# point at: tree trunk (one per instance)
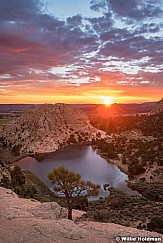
(70, 213)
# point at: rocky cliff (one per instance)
(47, 128)
(158, 107)
(26, 220)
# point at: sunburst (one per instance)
(108, 100)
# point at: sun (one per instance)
(108, 100)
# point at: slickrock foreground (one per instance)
(48, 127)
(29, 221)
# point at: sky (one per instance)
(81, 51)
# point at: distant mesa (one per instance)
(48, 127)
(158, 107)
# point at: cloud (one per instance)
(41, 42)
(102, 24)
(132, 9)
(75, 20)
(18, 10)
(98, 52)
(97, 5)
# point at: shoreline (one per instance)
(112, 161)
(41, 155)
(123, 168)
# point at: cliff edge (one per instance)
(158, 107)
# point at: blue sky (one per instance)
(65, 8)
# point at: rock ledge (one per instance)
(27, 220)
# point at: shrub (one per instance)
(156, 224)
(136, 169)
(16, 150)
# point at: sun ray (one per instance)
(107, 100)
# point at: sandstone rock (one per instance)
(25, 220)
(158, 107)
(48, 127)
(50, 210)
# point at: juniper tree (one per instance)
(72, 187)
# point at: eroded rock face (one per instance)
(47, 128)
(26, 220)
(158, 107)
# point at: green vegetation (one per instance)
(127, 210)
(108, 149)
(148, 124)
(136, 169)
(137, 142)
(16, 149)
(70, 185)
(156, 224)
(151, 190)
(142, 152)
(27, 185)
(138, 152)
(71, 139)
(18, 184)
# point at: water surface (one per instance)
(83, 160)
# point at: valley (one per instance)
(133, 142)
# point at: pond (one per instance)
(83, 160)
